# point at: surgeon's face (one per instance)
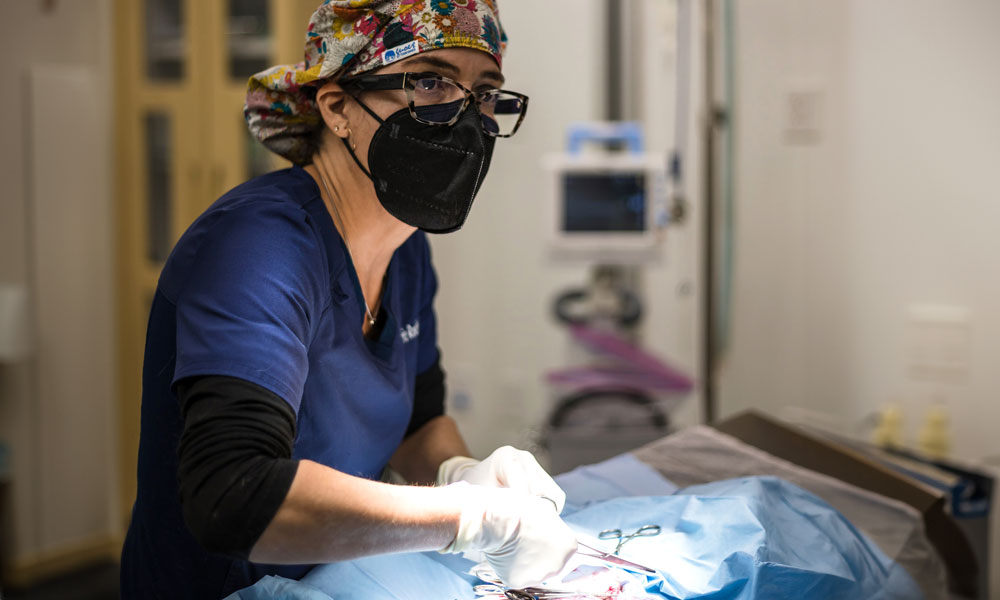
(473, 69)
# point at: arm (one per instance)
(242, 495)
(366, 517)
(330, 516)
(417, 459)
(435, 453)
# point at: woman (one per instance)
(291, 355)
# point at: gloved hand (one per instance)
(506, 467)
(521, 535)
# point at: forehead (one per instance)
(465, 62)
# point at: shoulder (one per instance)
(293, 185)
(268, 201)
(262, 223)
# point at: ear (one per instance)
(331, 99)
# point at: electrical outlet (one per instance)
(939, 341)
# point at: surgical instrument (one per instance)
(616, 534)
(494, 588)
(611, 558)
(491, 590)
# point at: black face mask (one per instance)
(428, 175)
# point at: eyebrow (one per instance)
(493, 75)
(433, 61)
(436, 62)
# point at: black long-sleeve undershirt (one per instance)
(235, 462)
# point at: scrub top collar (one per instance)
(344, 283)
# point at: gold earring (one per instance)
(336, 128)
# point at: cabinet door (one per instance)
(157, 137)
(257, 34)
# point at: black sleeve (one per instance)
(428, 397)
(235, 466)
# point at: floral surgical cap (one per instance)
(348, 37)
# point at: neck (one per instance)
(371, 234)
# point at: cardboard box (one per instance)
(837, 460)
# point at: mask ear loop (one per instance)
(351, 146)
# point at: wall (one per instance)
(891, 207)
(55, 237)
(496, 281)
(790, 221)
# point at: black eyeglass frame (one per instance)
(404, 81)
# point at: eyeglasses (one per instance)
(437, 100)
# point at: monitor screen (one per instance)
(604, 202)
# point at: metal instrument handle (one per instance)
(612, 559)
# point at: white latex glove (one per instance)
(521, 535)
(506, 467)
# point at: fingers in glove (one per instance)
(542, 547)
(518, 469)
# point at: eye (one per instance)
(487, 96)
(431, 90)
(427, 85)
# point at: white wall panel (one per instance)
(55, 212)
(73, 264)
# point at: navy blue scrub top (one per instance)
(261, 288)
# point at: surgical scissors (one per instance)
(616, 534)
(492, 590)
(611, 558)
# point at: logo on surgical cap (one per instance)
(400, 52)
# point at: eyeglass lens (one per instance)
(438, 101)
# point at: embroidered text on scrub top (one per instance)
(410, 332)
